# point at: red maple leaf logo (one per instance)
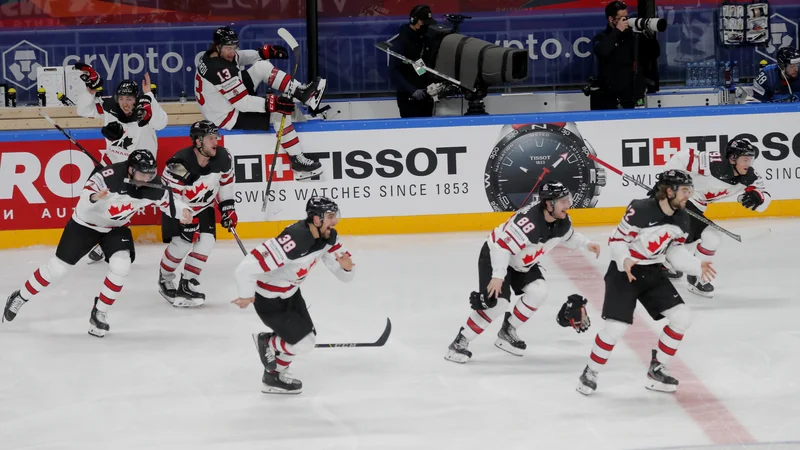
(529, 259)
(303, 272)
(713, 195)
(654, 246)
(115, 210)
(192, 193)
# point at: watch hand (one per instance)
(561, 157)
(523, 169)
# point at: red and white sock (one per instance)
(479, 320)
(173, 255)
(43, 277)
(289, 140)
(194, 265)
(112, 286)
(521, 313)
(668, 344)
(601, 351)
(283, 352)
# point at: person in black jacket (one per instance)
(412, 96)
(615, 53)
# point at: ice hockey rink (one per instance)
(190, 379)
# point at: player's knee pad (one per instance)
(306, 344)
(120, 263)
(534, 294)
(680, 317)
(614, 330)
(260, 72)
(204, 244)
(57, 268)
(179, 248)
(710, 241)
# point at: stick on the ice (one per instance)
(292, 42)
(383, 46)
(379, 343)
(53, 122)
(633, 180)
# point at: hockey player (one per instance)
(718, 177)
(509, 259)
(102, 215)
(270, 277)
(652, 231)
(202, 174)
(226, 94)
(779, 82)
(130, 120)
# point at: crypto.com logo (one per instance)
(784, 34)
(20, 63)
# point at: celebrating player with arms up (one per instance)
(718, 177)
(202, 175)
(226, 93)
(270, 277)
(652, 231)
(509, 260)
(102, 216)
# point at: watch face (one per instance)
(523, 155)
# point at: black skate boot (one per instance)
(96, 255)
(13, 304)
(265, 352)
(98, 321)
(671, 273)
(587, 383)
(457, 351)
(658, 379)
(508, 340)
(280, 383)
(167, 288)
(186, 296)
(305, 168)
(310, 94)
(699, 287)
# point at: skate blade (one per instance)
(506, 346)
(97, 332)
(456, 357)
(93, 261)
(186, 303)
(584, 389)
(305, 176)
(314, 101)
(691, 288)
(276, 390)
(658, 386)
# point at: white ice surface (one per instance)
(190, 379)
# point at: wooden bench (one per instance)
(28, 118)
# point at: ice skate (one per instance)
(508, 340)
(96, 255)
(280, 383)
(698, 287)
(587, 383)
(98, 321)
(13, 304)
(658, 379)
(167, 288)
(310, 94)
(186, 296)
(673, 274)
(305, 168)
(457, 351)
(265, 352)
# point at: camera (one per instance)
(652, 25)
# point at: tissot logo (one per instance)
(637, 152)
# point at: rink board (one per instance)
(422, 175)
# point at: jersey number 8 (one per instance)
(526, 225)
(287, 243)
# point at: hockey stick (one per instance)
(286, 36)
(156, 186)
(238, 241)
(379, 343)
(644, 186)
(417, 65)
(96, 162)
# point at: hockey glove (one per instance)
(419, 95)
(229, 218)
(190, 232)
(479, 301)
(573, 314)
(751, 198)
(281, 105)
(144, 111)
(273, 52)
(113, 131)
(90, 77)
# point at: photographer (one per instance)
(615, 52)
(412, 97)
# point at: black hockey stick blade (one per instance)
(145, 184)
(379, 343)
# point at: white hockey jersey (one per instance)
(221, 92)
(122, 202)
(648, 236)
(524, 237)
(200, 186)
(134, 137)
(277, 267)
(715, 179)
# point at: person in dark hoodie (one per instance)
(412, 96)
(615, 53)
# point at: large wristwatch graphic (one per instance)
(524, 152)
